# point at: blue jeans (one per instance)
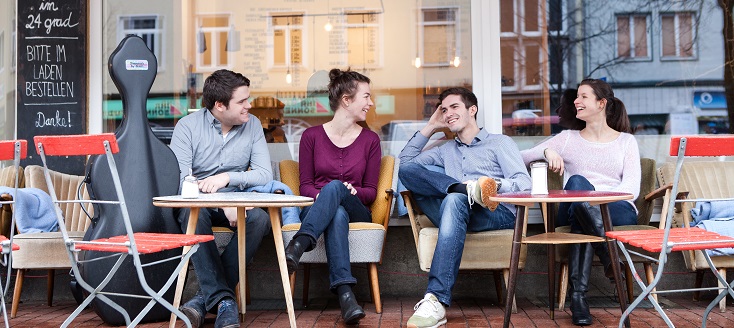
(621, 212)
(218, 274)
(453, 216)
(330, 214)
(290, 214)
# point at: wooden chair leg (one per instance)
(16, 292)
(649, 275)
(562, 286)
(722, 303)
(292, 279)
(247, 289)
(374, 283)
(699, 282)
(498, 286)
(306, 282)
(506, 274)
(50, 286)
(630, 286)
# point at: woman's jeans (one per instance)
(330, 215)
(453, 216)
(622, 212)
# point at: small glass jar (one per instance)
(190, 186)
(539, 174)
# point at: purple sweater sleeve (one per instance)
(321, 162)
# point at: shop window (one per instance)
(677, 35)
(150, 29)
(364, 39)
(287, 40)
(633, 40)
(440, 36)
(211, 42)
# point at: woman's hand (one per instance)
(555, 161)
(351, 188)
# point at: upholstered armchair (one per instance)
(366, 240)
(46, 250)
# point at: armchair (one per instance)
(366, 240)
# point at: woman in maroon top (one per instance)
(340, 165)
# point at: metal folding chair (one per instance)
(10, 150)
(130, 244)
(664, 241)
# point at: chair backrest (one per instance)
(11, 176)
(697, 146)
(647, 184)
(66, 187)
(82, 145)
(290, 173)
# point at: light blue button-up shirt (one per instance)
(492, 155)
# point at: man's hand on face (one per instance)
(435, 123)
(214, 183)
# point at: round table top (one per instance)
(562, 196)
(233, 199)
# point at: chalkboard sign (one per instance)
(52, 74)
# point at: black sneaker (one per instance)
(227, 314)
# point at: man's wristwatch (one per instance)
(499, 184)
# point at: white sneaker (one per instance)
(479, 192)
(429, 313)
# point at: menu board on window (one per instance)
(52, 74)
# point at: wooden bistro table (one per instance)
(551, 238)
(241, 200)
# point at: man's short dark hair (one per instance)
(220, 85)
(467, 97)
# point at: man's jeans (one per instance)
(453, 216)
(290, 214)
(218, 274)
(330, 214)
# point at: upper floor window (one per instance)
(440, 36)
(287, 40)
(211, 42)
(364, 39)
(633, 40)
(147, 27)
(677, 35)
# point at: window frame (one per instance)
(649, 43)
(379, 27)
(213, 43)
(422, 31)
(289, 65)
(676, 23)
(158, 32)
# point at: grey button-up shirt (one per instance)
(198, 144)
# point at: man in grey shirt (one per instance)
(219, 143)
(475, 165)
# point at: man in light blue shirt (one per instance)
(474, 166)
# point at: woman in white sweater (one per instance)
(602, 156)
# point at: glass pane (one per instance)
(668, 37)
(623, 36)
(221, 49)
(531, 15)
(508, 66)
(532, 65)
(507, 12)
(279, 47)
(436, 44)
(686, 34)
(640, 36)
